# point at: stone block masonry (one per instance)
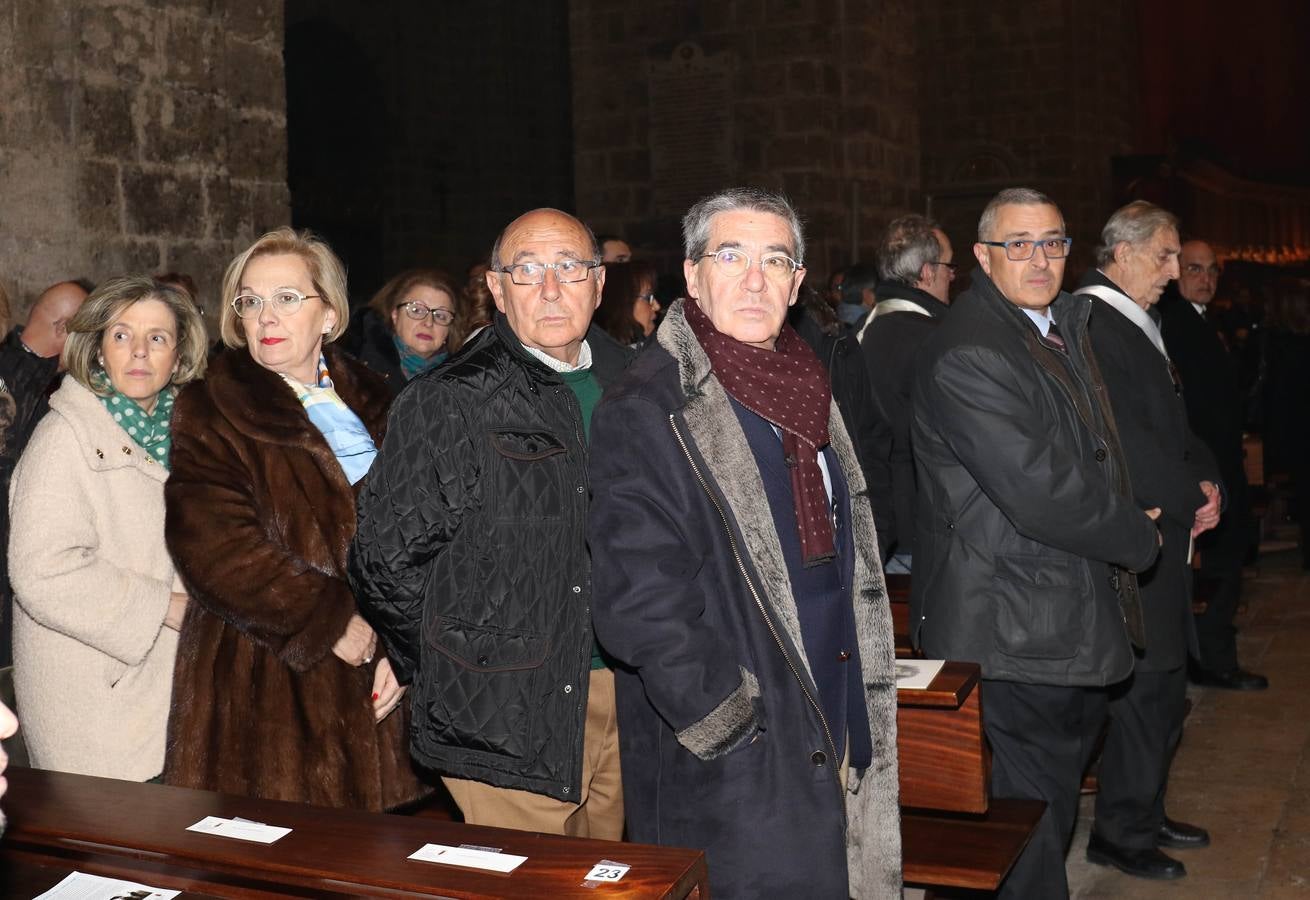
(138, 136)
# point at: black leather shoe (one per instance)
(1147, 862)
(1181, 836)
(1236, 680)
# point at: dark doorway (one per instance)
(417, 130)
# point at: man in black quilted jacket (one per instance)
(470, 559)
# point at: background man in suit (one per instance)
(914, 262)
(1028, 534)
(1210, 374)
(1170, 468)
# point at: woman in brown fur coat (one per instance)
(277, 691)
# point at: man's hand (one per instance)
(1207, 516)
(1154, 515)
(355, 647)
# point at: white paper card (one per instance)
(472, 859)
(917, 674)
(607, 872)
(80, 886)
(240, 829)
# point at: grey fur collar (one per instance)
(873, 811)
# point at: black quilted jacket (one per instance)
(470, 561)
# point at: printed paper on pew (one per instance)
(472, 859)
(917, 674)
(240, 829)
(80, 886)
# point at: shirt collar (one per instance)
(550, 362)
(1041, 318)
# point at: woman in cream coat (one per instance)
(97, 605)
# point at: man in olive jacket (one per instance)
(471, 562)
(1027, 533)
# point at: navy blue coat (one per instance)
(723, 742)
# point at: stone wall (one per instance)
(1041, 97)
(673, 99)
(137, 136)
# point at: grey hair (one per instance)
(696, 223)
(596, 252)
(1133, 224)
(1020, 196)
(910, 242)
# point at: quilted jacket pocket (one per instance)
(526, 474)
(484, 685)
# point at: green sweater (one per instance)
(586, 388)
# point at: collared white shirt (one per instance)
(550, 362)
(1041, 318)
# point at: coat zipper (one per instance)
(759, 603)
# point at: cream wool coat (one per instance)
(93, 664)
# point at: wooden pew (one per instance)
(60, 822)
(953, 833)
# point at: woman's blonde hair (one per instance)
(325, 271)
(86, 330)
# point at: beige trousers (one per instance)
(599, 812)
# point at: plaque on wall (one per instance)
(690, 129)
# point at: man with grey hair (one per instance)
(470, 559)
(1170, 468)
(737, 582)
(1028, 534)
(914, 261)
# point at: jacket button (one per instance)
(482, 660)
(818, 757)
(568, 688)
(1100, 454)
(843, 655)
(577, 589)
(950, 526)
(580, 489)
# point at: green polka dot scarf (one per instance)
(150, 431)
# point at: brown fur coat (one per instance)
(259, 519)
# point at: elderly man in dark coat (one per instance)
(1173, 470)
(1027, 530)
(737, 583)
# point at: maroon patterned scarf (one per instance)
(790, 388)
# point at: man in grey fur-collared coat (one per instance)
(737, 584)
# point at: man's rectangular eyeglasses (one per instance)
(1023, 249)
(733, 263)
(953, 268)
(285, 302)
(419, 312)
(567, 271)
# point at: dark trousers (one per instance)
(1223, 551)
(1042, 737)
(1146, 721)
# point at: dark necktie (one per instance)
(1054, 339)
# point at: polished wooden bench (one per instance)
(944, 760)
(953, 833)
(60, 823)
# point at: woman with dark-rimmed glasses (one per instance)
(406, 328)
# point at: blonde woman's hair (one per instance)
(86, 330)
(325, 271)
